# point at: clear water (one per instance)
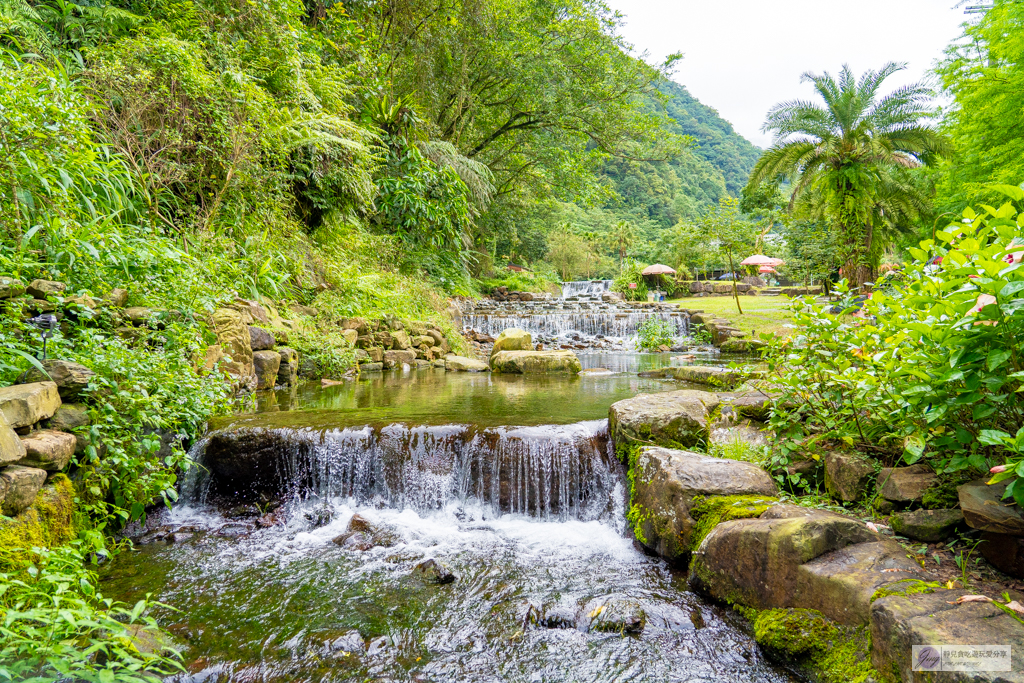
(509, 482)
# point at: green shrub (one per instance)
(630, 274)
(655, 332)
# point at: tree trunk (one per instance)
(735, 292)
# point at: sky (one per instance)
(743, 56)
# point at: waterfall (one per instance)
(593, 288)
(614, 323)
(552, 471)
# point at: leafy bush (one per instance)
(655, 332)
(630, 274)
(58, 627)
(932, 371)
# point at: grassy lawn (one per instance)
(760, 314)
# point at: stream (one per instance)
(509, 483)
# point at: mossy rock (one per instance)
(48, 522)
(815, 645)
(710, 512)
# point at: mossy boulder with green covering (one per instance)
(711, 376)
(665, 484)
(536, 362)
(48, 521)
(675, 419)
(814, 645)
(512, 339)
(929, 526)
(711, 511)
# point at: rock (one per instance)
(288, 370)
(512, 339)
(371, 367)
(265, 365)
(756, 405)
(261, 339)
(847, 475)
(840, 584)
(48, 450)
(673, 418)
(72, 379)
(665, 482)
(613, 614)
(462, 364)
(72, 303)
(706, 374)
(437, 363)
(756, 562)
(535, 362)
(26, 404)
(376, 354)
(21, 484)
(929, 526)
(11, 448)
(400, 340)
(351, 336)
(117, 297)
(985, 510)
(746, 432)
(139, 315)
(233, 337)
(10, 288)
(1004, 552)
(434, 572)
(358, 324)
(214, 355)
(307, 311)
(396, 358)
(362, 534)
(438, 338)
(41, 289)
(898, 622)
(308, 368)
(905, 484)
(251, 311)
(742, 346)
(424, 340)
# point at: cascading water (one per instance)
(619, 324)
(589, 288)
(548, 471)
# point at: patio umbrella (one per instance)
(761, 260)
(658, 269)
(766, 269)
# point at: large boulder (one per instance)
(847, 475)
(398, 358)
(905, 484)
(756, 562)
(265, 365)
(70, 416)
(48, 450)
(454, 363)
(11, 448)
(358, 324)
(512, 339)
(672, 418)
(706, 374)
(400, 340)
(536, 362)
(898, 622)
(742, 346)
(261, 339)
(10, 288)
(117, 297)
(26, 404)
(665, 482)
(728, 433)
(19, 486)
(72, 379)
(41, 289)
(984, 508)
(233, 337)
(288, 371)
(930, 526)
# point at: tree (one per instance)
(849, 160)
(810, 250)
(984, 72)
(732, 232)
(567, 252)
(623, 236)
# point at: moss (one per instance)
(48, 522)
(712, 511)
(807, 639)
(904, 588)
(943, 495)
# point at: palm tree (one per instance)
(849, 160)
(622, 238)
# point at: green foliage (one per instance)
(519, 282)
(811, 251)
(58, 626)
(655, 332)
(932, 372)
(630, 275)
(984, 72)
(848, 160)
